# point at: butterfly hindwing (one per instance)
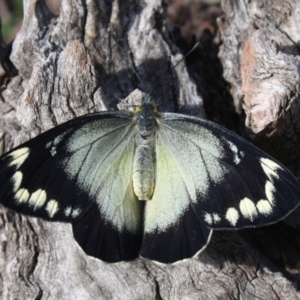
(79, 172)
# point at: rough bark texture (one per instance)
(69, 65)
(260, 56)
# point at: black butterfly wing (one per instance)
(80, 172)
(208, 177)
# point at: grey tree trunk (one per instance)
(69, 65)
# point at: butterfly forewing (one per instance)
(80, 172)
(236, 184)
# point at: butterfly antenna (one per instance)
(164, 75)
(131, 65)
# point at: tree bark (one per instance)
(79, 62)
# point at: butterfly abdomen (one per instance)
(143, 175)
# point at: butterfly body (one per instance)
(143, 176)
(195, 175)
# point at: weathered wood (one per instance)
(260, 56)
(70, 65)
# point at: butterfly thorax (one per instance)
(143, 175)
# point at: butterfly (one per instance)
(145, 183)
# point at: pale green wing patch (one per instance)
(102, 166)
(236, 184)
(184, 173)
(174, 229)
(174, 188)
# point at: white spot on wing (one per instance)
(73, 212)
(17, 180)
(19, 156)
(270, 190)
(76, 212)
(232, 216)
(235, 151)
(248, 209)
(270, 167)
(67, 211)
(264, 207)
(216, 218)
(53, 144)
(53, 151)
(22, 196)
(48, 145)
(208, 218)
(213, 218)
(52, 208)
(37, 199)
